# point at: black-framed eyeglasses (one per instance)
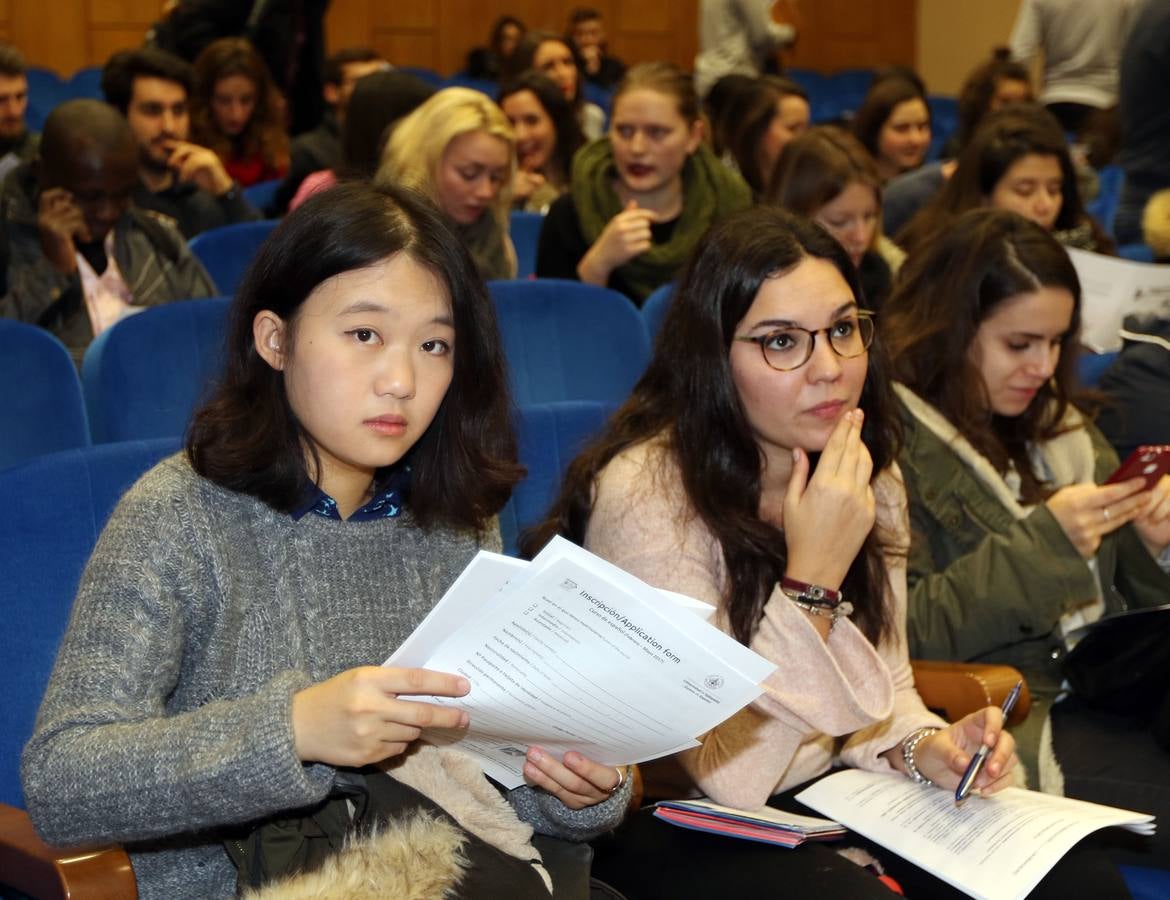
(791, 347)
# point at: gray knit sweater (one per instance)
(200, 613)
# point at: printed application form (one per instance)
(571, 653)
(995, 848)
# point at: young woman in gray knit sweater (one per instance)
(220, 670)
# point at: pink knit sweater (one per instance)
(837, 699)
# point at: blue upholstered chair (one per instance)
(261, 194)
(1091, 366)
(524, 228)
(144, 377)
(86, 83)
(55, 508)
(565, 340)
(548, 436)
(1103, 207)
(227, 251)
(655, 308)
(41, 407)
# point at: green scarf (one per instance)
(710, 191)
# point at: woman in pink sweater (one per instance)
(753, 465)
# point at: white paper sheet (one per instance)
(1112, 289)
(575, 654)
(994, 848)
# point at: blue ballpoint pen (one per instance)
(973, 767)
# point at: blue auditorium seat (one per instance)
(655, 307)
(144, 377)
(524, 229)
(549, 436)
(261, 194)
(55, 508)
(1103, 207)
(227, 251)
(566, 340)
(41, 405)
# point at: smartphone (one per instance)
(1150, 461)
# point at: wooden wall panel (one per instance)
(106, 41)
(943, 38)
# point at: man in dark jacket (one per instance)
(182, 182)
(80, 257)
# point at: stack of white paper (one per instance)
(1112, 289)
(993, 848)
(571, 653)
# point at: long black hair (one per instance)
(688, 398)
(247, 438)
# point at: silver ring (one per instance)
(621, 780)
(1105, 512)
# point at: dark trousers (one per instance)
(647, 859)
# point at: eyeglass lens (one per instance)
(787, 348)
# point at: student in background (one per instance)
(547, 136)
(1018, 160)
(555, 57)
(459, 150)
(238, 112)
(221, 671)
(997, 83)
(893, 124)
(587, 32)
(490, 62)
(756, 122)
(737, 37)
(827, 176)
(1080, 44)
(17, 143)
(320, 149)
(183, 182)
(640, 199)
(755, 461)
(81, 257)
(377, 103)
(1018, 540)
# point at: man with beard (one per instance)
(17, 143)
(181, 182)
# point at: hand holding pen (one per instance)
(980, 756)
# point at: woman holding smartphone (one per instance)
(1017, 539)
(752, 465)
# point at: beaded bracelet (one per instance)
(841, 610)
(909, 745)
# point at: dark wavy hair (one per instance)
(523, 58)
(944, 294)
(879, 103)
(563, 115)
(265, 133)
(979, 90)
(688, 398)
(1005, 136)
(744, 119)
(246, 438)
(121, 70)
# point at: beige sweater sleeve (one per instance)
(820, 692)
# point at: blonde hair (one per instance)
(418, 142)
(1156, 224)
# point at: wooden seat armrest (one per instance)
(955, 689)
(33, 867)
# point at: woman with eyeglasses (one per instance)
(753, 468)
